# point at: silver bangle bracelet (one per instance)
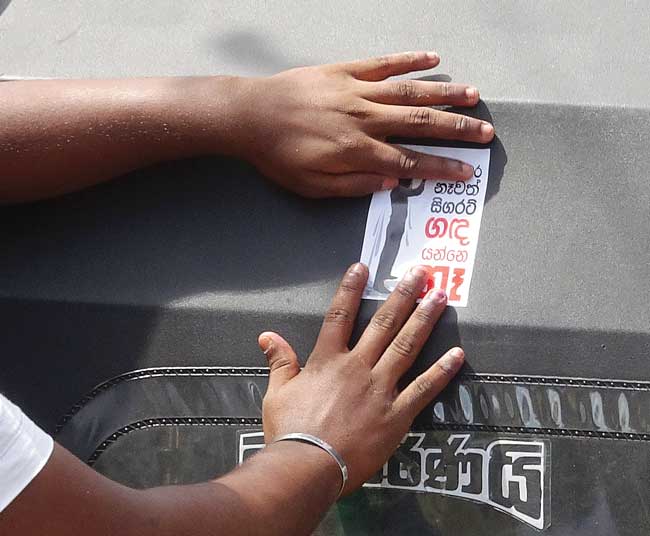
(307, 438)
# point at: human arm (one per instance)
(319, 131)
(280, 491)
(347, 397)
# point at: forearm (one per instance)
(58, 136)
(285, 489)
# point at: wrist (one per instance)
(217, 110)
(322, 445)
(310, 459)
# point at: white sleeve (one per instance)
(24, 450)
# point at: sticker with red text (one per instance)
(432, 223)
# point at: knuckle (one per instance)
(280, 362)
(450, 166)
(408, 162)
(423, 386)
(404, 345)
(423, 316)
(346, 144)
(445, 90)
(338, 316)
(445, 372)
(384, 321)
(349, 145)
(420, 117)
(384, 62)
(355, 110)
(351, 284)
(445, 166)
(406, 291)
(362, 142)
(412, 57)
(461, 124)
(405, 90)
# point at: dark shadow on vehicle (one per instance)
(54, 353)
(4, 4)
(88, 278)
(176, 230)
(184, 228)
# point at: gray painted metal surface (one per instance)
(567, 52)
(153, 271)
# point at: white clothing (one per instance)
(24, 451)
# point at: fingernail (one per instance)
(418, 271)
(435, 297)
(433, 56)
(471, 93)
(457, 353)
(358, 269)
(467, 170)
(414, 275)
(265, 344)
(389, 184)
(452, 361)
(487, 129)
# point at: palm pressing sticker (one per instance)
(431, 223)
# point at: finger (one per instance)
(358, 184)
(339, 319)
(390, 317)
(281, 358)
(421, 93)
(398, 161)
(382, 67)
(429, 384)
(423, 122)
(401, 353)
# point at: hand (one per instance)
(321, 131)
(349, 397)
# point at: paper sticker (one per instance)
(432, 223)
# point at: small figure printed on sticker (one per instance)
(399, 226)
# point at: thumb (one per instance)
(360, 184)
(282, 360)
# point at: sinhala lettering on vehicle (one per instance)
(511, 475)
